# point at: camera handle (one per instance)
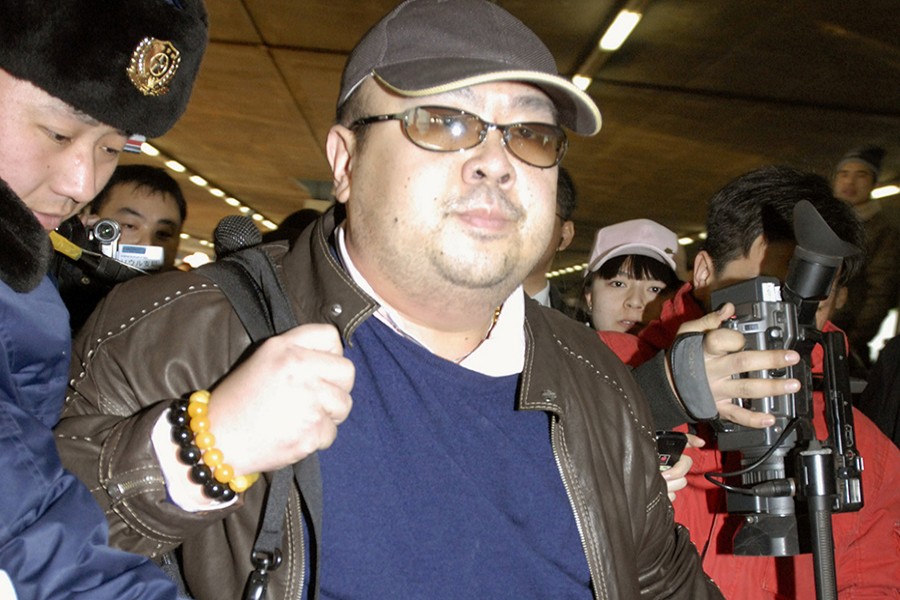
(817, 485)
(832, 476)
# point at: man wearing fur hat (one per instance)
(875, 290)
(75, 84)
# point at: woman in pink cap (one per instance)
(630, 274)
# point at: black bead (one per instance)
(227, 494)
(213, 489)
(179, 406)
(190, 454)
(178, 418)
(200, 473)
(182, 435)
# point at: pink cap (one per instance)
(638, 236)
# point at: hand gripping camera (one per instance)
(784, 465)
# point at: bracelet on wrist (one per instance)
(196, 448)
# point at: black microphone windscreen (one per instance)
(233, 233)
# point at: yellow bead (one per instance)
(205, 440)
(199, 424)
(213, 457)
(224, 473)
(242, 482)
(201, 396)
(197, 409)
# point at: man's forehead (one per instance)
(52, 104)
(852, 166)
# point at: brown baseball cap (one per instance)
(426, 47)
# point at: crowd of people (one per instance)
(444, 427)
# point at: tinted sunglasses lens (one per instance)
(445, 129)
(538, 144)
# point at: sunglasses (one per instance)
(443, 129)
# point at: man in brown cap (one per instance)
(492, 447)
(876, 289)
(77, 80)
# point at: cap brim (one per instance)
(426, 77)
(640, 249)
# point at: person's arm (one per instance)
(53, 536)
(668, 563)
(699, 380)
(882, 283)
(283, 402)
(866, 552)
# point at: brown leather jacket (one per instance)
(160, 337)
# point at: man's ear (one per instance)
(567, 234)
(704, 272)
(841, 298)
(340, 146)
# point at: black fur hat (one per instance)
(127, 63)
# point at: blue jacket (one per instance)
(53, 535)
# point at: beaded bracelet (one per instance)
(190, 430)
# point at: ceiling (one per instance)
(702, 91)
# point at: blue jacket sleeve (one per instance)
(53, 536)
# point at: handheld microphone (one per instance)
(234, 233)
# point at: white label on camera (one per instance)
(771, 292)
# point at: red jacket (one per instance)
(867, 543)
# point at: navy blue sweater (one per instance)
(437, 487)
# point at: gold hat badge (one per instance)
(153, 65)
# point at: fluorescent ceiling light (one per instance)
(582, 82)
(197, 180)
(885, 190)
(176, 166)
(621, 28)
(149, 150)
(196, 259)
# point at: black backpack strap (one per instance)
(249, 280)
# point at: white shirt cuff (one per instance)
(183, 492)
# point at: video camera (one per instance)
(785, 463)
(106, 233)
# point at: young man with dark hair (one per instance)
(750, 233)
(149, 206)
(76, 80)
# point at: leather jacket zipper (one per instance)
(119, 489)
(595, 570)
(295, 529)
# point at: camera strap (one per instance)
(249, 280)
(689, 375)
